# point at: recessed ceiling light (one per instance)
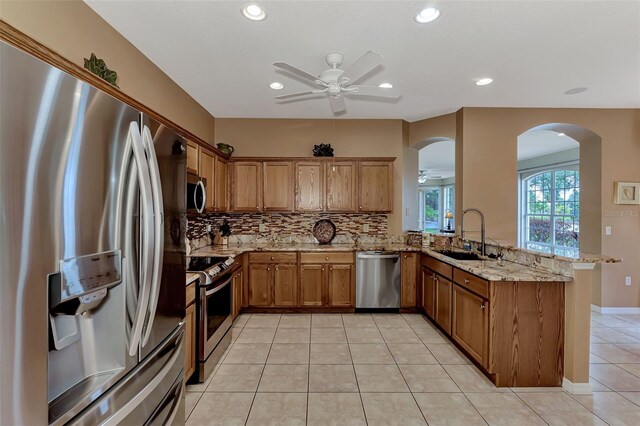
(561, 134)
(386, 85)
(254, 12)
(575, 90)
(428, 14)
(276, 85)
(484, 81)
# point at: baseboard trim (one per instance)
(576, 388)
(615, 310)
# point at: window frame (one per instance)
(523, 229)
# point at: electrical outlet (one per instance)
(208, 228)
(406, 211)
(607, 230)
(262, 227)
(365, 228)
(627, 281)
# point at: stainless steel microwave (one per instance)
(196, 194)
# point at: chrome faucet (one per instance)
(482, 231)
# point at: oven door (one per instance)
(215, 314)
(196, 194)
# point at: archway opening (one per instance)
(436, 184)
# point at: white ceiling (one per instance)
(535, 143)
(534, 50)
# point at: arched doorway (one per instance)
(436, 184)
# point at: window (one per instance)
(551, 211)
(434, 203)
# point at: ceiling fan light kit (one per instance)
(338, 83)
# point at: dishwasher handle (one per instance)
(378, 256)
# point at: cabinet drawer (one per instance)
(437, 266)
(471, 282)
(272, 257)
(345, 257)
(191, 294)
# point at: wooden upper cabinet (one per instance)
(277, 186)
(207, 171)
(375, 186)
(309, 187)
(246, 186)
(193, 158)
(221, 197)
(409, 279)
(340, 178)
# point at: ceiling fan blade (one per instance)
(293, 95)
(363, 66)
(380, 92)
(296, 71)
(337, 104)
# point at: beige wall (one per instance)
(489, 161)
(296, 137)
(74, 30)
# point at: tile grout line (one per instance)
(306, 418)
(364, 412)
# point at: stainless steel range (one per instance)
(214, 304)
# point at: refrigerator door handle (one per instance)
(176, 406)
(121, 414)
(147, 224)
(158, 219)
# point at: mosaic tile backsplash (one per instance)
(298, 224)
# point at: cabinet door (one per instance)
(237, 293)
(428, 291)
(278, 186)
(311, 285)
(309, 189)
(471, 324)
(340, 178)
(221, 197)
(193, 159)
(285, 284)
(190, 341)
(246, 194)
(375, 186)
(409, 279)
(340, 279)
(207, 171)
(444, 290)
(260, 279)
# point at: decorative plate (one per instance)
(324, 231)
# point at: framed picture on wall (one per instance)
(626, 193)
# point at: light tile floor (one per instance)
(391, 369)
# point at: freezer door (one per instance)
(150, 394)
(167, 300)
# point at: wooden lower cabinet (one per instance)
(444, 290)
(340, 285)
(409, 280)
(311, 285)
(285, 285)
(471, 324)
(238, 290)
(428, 291)
(190, 340)
(259, 285)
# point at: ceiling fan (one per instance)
(337, 82)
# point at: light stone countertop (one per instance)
(191, 277)
(489, 269)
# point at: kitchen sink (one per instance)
(461, 255)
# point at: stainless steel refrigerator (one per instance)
(92, 254)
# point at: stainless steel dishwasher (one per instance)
(377, 279)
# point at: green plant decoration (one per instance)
(99, 68)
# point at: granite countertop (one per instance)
(191, 277)
(489, 269)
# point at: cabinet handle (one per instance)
(268, 269)
(271, 257)
(331, 269)
(466, 281)
(482, 306)
(322, 269)
(277, 268)
(326, 258)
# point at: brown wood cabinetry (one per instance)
(193, 157)
(442, 314)
(410, 263)
(278, 185)
(246, 189)
(375, 186)
(470, 327)
(340, 178)
(327, 279)
(428, 291)
(309, 186)
(190, 332)
(208, 172)
(238, 291)
(221, 185)
(273, 280)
